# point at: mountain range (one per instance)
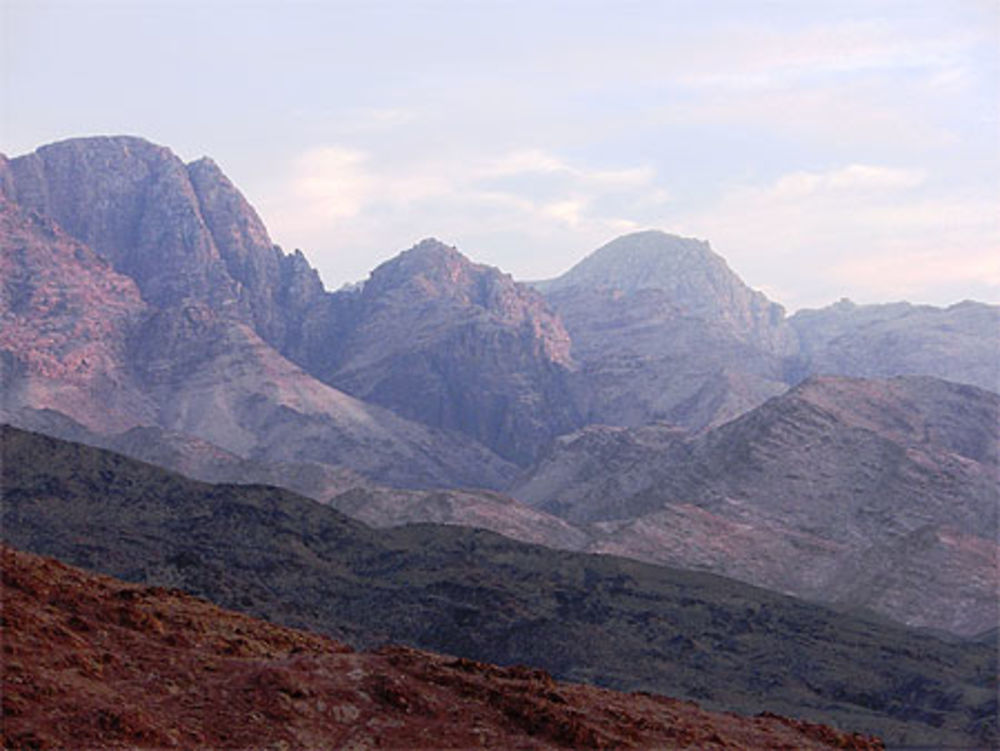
(610, 621)
(645, 404)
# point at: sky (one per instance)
(825, 150)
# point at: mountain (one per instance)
(139, 291)
(80, 648)
(343, 489)
(614, 622)
(181, 232)
(452, 344)
(960, 343)
(664, 330)
(900, 473)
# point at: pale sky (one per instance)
(825, 149)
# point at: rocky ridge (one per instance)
(155, 311)
(792, 493)
(958, 343)
(614, 622)
(79, 650)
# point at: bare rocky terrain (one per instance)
(451, 344)
(602, 620)
(160, 296)
(92, 662)
(662, 329)
(958, 343)
(878, 494)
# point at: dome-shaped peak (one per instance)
(427, 256)
(642, 260)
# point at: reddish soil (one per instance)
(90, 662)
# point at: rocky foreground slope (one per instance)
(597, 619)
(92, 662)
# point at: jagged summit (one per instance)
(435, 264)
(429, 324)
(431, 247)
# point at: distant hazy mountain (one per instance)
(960, 343)
(664, 330)
(473, 594)
(793, 495)
(452, 344)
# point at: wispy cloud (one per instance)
(350, 202)
(870, 232)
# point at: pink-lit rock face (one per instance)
(91, 662)
(433, 337)
(65, 322)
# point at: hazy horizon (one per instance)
(823, 152)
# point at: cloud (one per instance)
(854, 177)
(348, 208)
(869, 232)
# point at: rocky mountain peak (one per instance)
(454, 344)
(434, 275)
(429, 265)
(650, 259)
(182, 232)
(692, 277)
(132, 202)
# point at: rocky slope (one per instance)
(664, 330)
(618, 623)
(959, 343)
(79, 651)
(66, 319)
(343, 489)
(902, 472)
(217, 380)
(385, 507)
(452, 344)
